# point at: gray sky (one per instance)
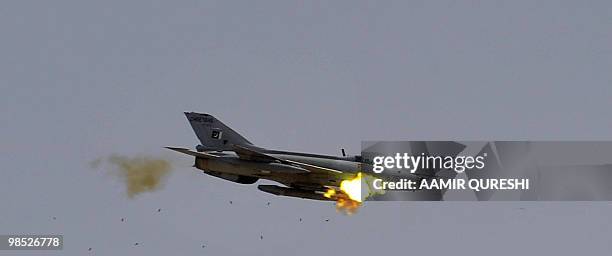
(85, 79)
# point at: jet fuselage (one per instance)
(229, 163)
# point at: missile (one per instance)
(293, 192)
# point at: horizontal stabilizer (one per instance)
(192, 153)
(253, 155)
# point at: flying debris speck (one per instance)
(230, 202)
(54, 218)
(261, 237)
(135, 243)
(268, 203)
(122, 219)
(326, 220)
(89, 249)
(159, 210)
(300, 219)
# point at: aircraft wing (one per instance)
(192, 153)
(254, 155)
(314, 168)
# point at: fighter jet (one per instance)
(225, 154)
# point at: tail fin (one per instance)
(213, 134)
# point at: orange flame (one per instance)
(347, 206)
(344, 203)
(352, 193)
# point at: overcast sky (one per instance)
(81, 80)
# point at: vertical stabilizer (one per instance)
(213, 134)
